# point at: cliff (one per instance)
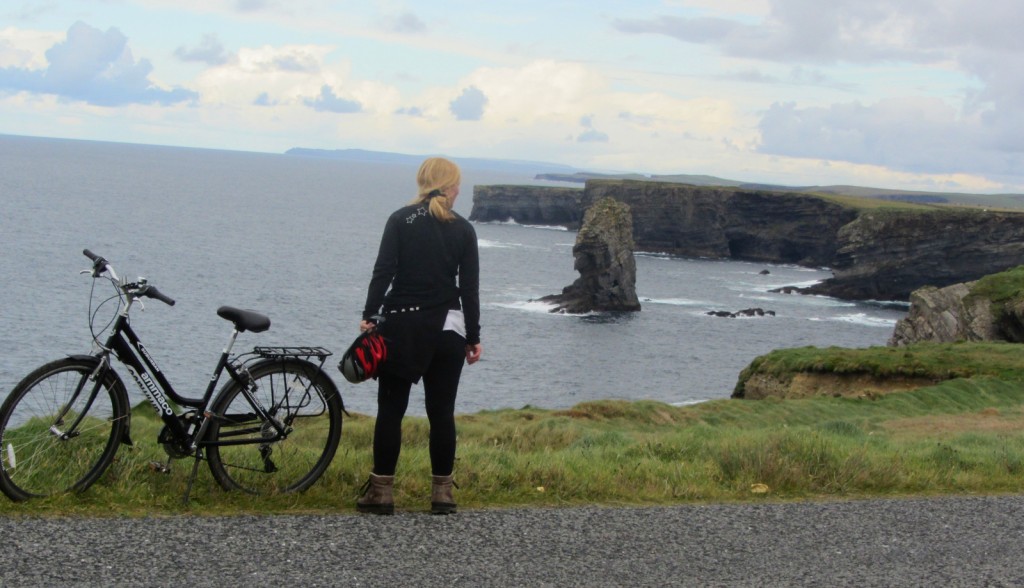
(686, 220)
(874, 253)
(727, 223)
(887, 254)
(603, 255)
(528, 205)
(990, 309)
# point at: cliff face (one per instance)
(945, 315)
(727, 223)
(887, 255)
(528, 205)
(680, 219)
(874, 254)
(990, 309)
(604, 258)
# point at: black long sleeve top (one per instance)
(427, 263)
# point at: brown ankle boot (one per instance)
(376, 497)
(441, 500)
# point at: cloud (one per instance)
(980, 131)
(410, 111)
(30, 11)
(289, 59)
(209, 51)
(590, 135)
(691, 30)
(469, 105)
(251, 5)
(405, 23)
(545, 92)
(263, 100)
(327, 101)
(94, 67)
(841, 30)
(913, 135)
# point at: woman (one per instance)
(426, 286)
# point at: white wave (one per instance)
(528, 306)
(690, 402)
(769, 287)
(492, 244)
(510, 222)
(860, 318)
(675, 301)
(818, 300)
(489, 244)
(761, 298)
(653, 255)
(547, 227)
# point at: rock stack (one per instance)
(604, 258)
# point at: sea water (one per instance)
(296, 237)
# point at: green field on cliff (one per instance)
(963, 435)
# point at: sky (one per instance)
(904, 94)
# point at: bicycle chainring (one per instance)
(172, 447)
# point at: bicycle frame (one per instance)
(130, 351)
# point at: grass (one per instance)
(934, 361)
(962, 436)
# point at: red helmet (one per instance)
(364, 357)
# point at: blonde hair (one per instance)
(436, 178)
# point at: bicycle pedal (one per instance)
(159, 468)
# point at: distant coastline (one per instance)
(502, 165)
(553, 172)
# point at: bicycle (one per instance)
(274, 426)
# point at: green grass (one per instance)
(962, 436)
(935, 361)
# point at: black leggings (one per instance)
(440, 385)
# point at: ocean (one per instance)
(295, 237)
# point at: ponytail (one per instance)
(436, 178)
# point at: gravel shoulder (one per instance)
(906, 542)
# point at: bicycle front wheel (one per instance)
(59, 430)
(247, 452)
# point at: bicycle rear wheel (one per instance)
(246, 452)
(59, 430)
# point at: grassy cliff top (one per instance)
(853, 197)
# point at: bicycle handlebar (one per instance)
(152, 292)
(100, 265)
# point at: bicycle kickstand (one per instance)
(192, 476)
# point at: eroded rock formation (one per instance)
(873, 253)
(965, 312)
(943, 315)
(604, 258)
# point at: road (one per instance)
(902, 542)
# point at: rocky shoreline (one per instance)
(874, 253)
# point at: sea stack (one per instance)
(604, 258)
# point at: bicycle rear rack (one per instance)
(303, 351)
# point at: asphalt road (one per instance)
(918, 542)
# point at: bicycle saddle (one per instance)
(245, 320)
